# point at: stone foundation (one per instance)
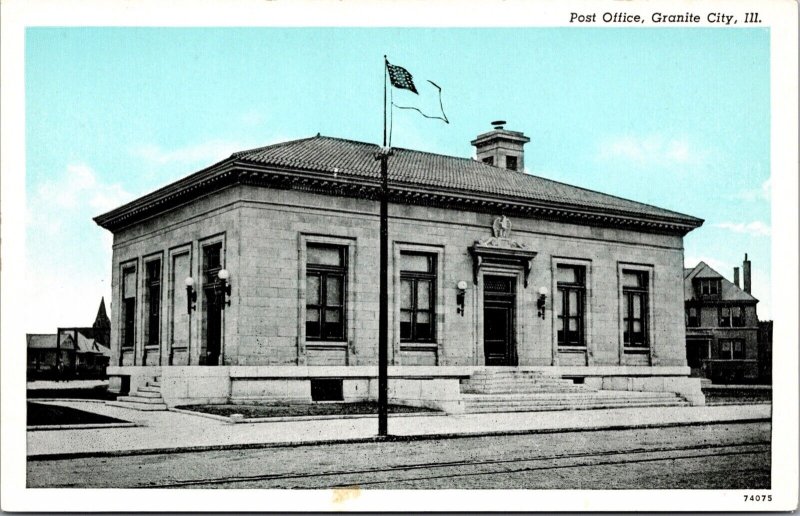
(421, 386)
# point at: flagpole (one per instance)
(383, 318)
(385, 72)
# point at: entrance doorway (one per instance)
(213, 327)
(499, 299)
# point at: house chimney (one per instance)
(736, 276)
(746, 274)
(501, 147)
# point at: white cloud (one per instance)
(649, 150)
(755, 228)
(761, 193)
(76, 190)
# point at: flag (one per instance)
(403, 80)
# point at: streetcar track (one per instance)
(542, 468)
(475, 463)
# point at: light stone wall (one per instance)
(264, 230)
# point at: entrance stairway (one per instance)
(530, 391)
(147, 397)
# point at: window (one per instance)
(730, 349)
(692, 317)
(417, 295)
(152, 301)
(326, 270)
(511, 162)
(571, 286)
(489, 160)
(738, 316)
(212, 263)
(731, 316)
(709, 287)
(725, 316)
(128, 307)
(634, 292)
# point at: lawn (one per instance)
(41, 414)
(74, 389)
(302, 409)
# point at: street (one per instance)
(715, 456)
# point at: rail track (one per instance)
(425, 471)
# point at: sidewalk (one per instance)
(172, 431)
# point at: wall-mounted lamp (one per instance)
(462, 291)
(191, 295)
(541, 301)
(224, 277)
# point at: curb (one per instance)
(393, 438)
(71, 400)
(39, 428)
(289, 419)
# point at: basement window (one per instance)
(328, 389)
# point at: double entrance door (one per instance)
(499, 300)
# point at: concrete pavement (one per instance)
(173, 431)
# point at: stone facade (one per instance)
(264, 234)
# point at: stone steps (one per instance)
(137, 406)
(146, 397)
(523, 391)
(598, 395)
(496, 406)
(137, 398)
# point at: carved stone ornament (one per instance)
(501, 236)
(501, 249)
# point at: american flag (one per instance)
(401, 78)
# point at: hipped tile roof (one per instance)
(357, 159)
(346, 160)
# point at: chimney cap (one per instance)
(498, 124)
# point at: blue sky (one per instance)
(678, 118)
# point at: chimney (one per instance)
(501, 148)
(736, 276)
(746, 273)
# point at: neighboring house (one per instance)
(765, 351)
(722, 325)
(91, 357)
(49, 358)
(258, 277)
(72, 352)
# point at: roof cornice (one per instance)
(235, 171)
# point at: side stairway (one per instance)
(530, 391)
(147, 397)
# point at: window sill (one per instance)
(572, 348)
(417, 346)
(326, 344)
(636, 350)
